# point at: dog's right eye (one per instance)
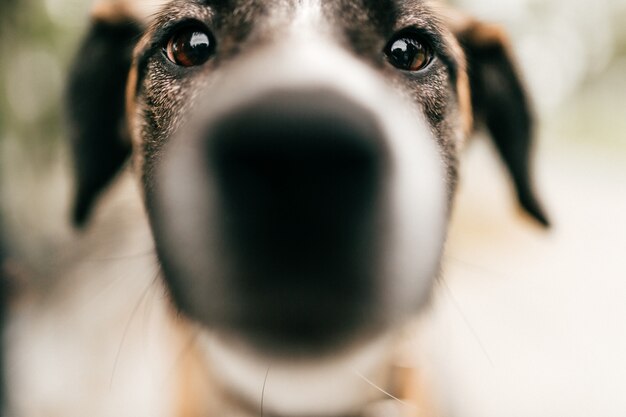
(190, 46)
(409, 52)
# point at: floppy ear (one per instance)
(96, 109)
(501, 106)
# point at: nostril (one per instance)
(293, 165)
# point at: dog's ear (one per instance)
(500, 105)
(96, 109)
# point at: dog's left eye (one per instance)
(409, 52)
(190, 46)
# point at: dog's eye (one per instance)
(408, 52)
(190, 46)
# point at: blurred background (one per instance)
(526, 322)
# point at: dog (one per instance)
(298, 161)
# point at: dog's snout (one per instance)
(280, 217)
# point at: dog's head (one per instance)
(298, 157)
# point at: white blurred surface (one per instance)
(529, 322)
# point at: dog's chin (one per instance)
(336, 383)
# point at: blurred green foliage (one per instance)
(34, 51)
(37, 41)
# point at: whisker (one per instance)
(155, 279)
(378, 388)
(123, 257)
(110, 284)
(127, 326)
(474, 266)
(149, 305)
(263, 390)
(473, 331)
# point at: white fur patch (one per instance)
(334, 386)
(308, 15)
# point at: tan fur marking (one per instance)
(411, 387)
(467, 26)
(131, 90)
(112, 11)
(131, 115)
(457, 22)
(486, 34)
(132, 111)
(465, 103)
(463, 89)
(194, 390)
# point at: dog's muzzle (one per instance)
(277, 216)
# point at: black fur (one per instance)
(96, 97)
(501, 106)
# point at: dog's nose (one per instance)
(306, 160)
(299, 178)
(297, 173)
